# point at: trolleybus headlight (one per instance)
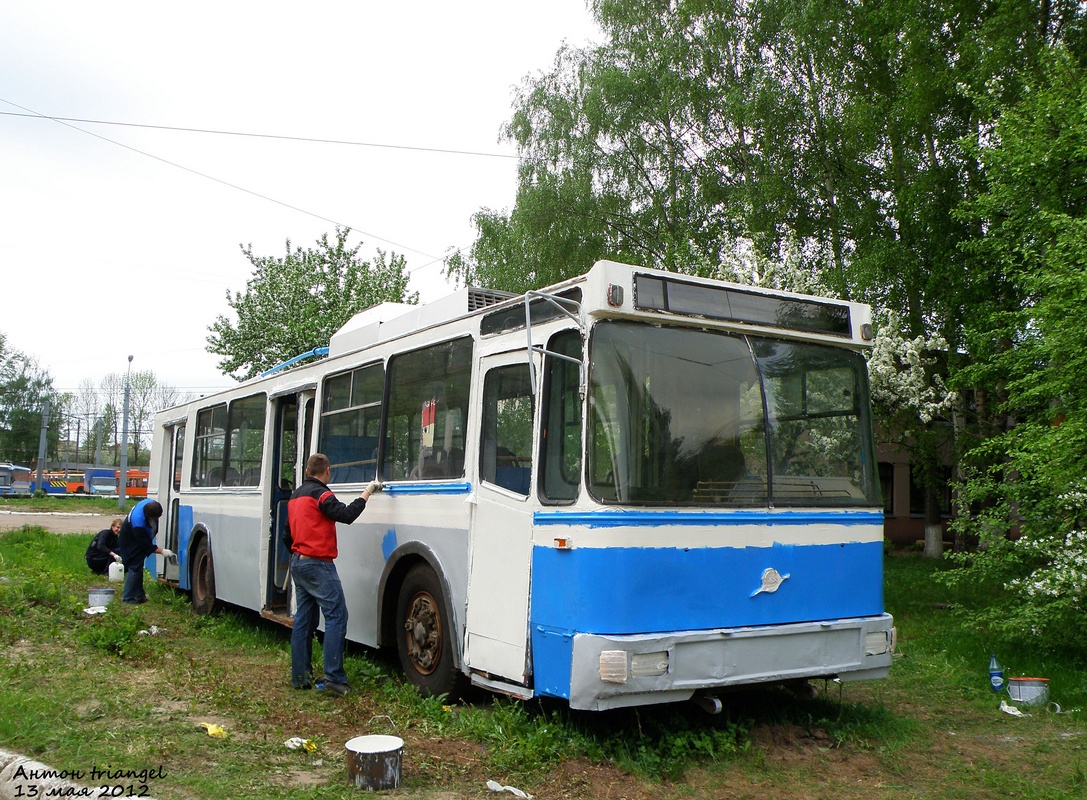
(876, 643)
(649, 665)
(619, 666)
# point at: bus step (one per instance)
(278, 616)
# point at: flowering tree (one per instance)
(1027, 476)
(911, 397)
(295, 303)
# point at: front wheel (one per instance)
(203, 579)
(424, 638)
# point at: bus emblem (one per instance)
(771, 581)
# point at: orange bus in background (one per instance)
(106, 482)
(136, 485)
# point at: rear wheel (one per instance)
(203, 579)
(425, 638)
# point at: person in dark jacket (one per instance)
(312, 514)
(135, 543)
(102, 551)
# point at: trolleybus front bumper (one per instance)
(616, 671)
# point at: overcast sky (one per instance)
(122, 240)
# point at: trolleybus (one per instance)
(14, 479)
(633, 487)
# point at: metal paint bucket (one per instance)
(99, 597)
(373, 762)
(1029, 691)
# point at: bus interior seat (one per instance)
(348, 454)
(508, 472)
(516, 479)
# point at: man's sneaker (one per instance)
(338, 689)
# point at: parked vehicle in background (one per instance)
(14, 479)
(54, 482)
(136, 484)
(100, 481)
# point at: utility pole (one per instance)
(122, 480)
(42, 441)
(97, 446)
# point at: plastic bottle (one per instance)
(996, 673)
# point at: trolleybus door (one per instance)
(496, 621)
(292, 431)
(170, 480)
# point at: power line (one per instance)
(310, 139)
(60, 121)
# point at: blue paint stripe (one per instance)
(388, 543)
(184, 535)
(427, 488)
(644, 519)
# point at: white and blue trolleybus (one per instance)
(632, 487)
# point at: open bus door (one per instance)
(291, 450)
(496, 641)
(171, 526)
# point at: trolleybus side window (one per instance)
(428, 412)
(207, 464)
(560, 434)
(506, 438)
(179, 452)
(351, 423)
(245, 441)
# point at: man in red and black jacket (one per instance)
(312, 514)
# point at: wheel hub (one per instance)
(423, 629)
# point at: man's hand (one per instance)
(373, 487)
(169, 555)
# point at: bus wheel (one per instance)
(425, 636)
(203, 579)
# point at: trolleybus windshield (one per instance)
(683, 416)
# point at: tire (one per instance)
(424, 636)
(203, 579)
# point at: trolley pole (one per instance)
(122, 479)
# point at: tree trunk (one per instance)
(934, 531)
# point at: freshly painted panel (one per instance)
(387, 526)
(184, 538)
(645, 590)
(498, 589)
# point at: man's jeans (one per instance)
(317, 590)
(133, 591)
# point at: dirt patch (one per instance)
(57, 521)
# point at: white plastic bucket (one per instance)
(373, 762)
(1029, 691)
(99, 597)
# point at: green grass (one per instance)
(85, 504)
(80, 691)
